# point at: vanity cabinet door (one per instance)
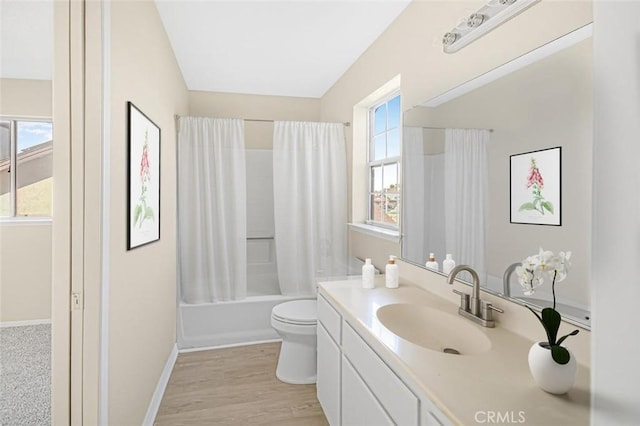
(328, 378)
(359, 405)
(398, 400)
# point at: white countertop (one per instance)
(466, 388)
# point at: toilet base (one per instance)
(297, 363)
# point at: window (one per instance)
(26, 165)
(384, 163)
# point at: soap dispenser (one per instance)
(432, 263)
(448, 264)
(368, 274)
(391, 273)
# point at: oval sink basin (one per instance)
(433, 329)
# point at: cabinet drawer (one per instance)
(328, 381)
(360, 406)
(330, 318)
(401, 404)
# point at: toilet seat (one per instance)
(296, 312)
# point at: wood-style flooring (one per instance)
(236, 386)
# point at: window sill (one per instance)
(25, 221)
(376, 231)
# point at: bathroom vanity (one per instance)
(381, 360)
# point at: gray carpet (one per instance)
(25, 375)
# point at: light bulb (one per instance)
(449, 38)
(476, 20)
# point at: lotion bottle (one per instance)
(432, 263)
(368, 273)
(391, 273)
(448, 264)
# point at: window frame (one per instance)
(13, 166)
(397, 160)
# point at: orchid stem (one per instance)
(553, 289)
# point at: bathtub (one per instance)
(206, 325)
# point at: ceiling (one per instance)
(26, 39)
(268, 47)
(286, 48)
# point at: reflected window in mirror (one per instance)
(26, 161)
(384, 163)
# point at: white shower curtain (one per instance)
(212, 210)
(310, 197)
(434, 212)
(466, 205)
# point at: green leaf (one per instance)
(562, 339)
(148, 213)
(560, 354)
(527, 206)
(136, 213)
(551, 320)
(547, 205)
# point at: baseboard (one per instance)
(154, 405)
(231, 345)
(24, 323)
(229, 338)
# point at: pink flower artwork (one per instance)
(535, 182)
(143, 211)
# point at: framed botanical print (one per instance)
(536, 187)
(143, 203)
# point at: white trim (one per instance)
(24, 323)
(26, 221)
(232, 345)
(535, 55)
(376, 231)
(156, 399)
(103, 385)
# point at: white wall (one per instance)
(616, 215)
(25, 248)
(142, 282)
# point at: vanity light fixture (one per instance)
(494, 13)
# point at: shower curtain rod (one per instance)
(445, 128)
(260, 120)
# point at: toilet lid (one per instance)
(296, 312)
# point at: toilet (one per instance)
(296, 322)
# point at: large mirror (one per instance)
(458, 152)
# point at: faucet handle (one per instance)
(486, 309)
(464, 300)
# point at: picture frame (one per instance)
(143, 179)
(536, 187)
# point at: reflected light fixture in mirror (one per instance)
(488, 17)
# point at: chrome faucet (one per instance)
(473, 307)
(506, 278)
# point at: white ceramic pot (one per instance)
(549, 375)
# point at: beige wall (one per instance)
(25, 98)
(544, 105)
(410, 47)
(25, 248)
(25, 271)
(258, 135)
(142, 282)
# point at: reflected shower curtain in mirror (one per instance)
(212, 223)
(310, 197)
(466, 190)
